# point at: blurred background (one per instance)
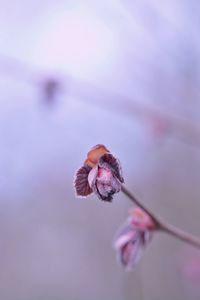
(74, 74)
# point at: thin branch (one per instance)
(138, 203)
(164, 226)
(181, 128)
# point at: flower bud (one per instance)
(100, 174)
(132, 238)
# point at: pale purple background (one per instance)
(52, 245)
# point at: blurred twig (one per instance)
(181, 128)
(162, 225)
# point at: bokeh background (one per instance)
(74, 74)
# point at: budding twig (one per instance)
(162, 225)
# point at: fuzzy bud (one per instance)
(100, 174)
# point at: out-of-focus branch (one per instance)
(179, 127)
(163, 226)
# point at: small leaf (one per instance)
(81, 182)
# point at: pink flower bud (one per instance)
(132, 238)
(101, 175)
(141, 220)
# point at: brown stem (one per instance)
(162, 225)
